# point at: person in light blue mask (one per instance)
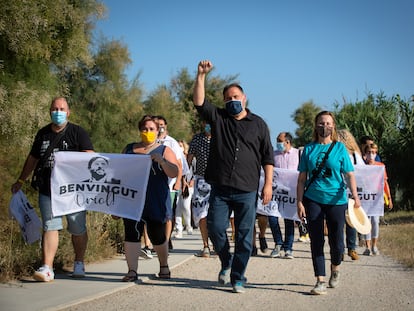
(59, 135)
(286, 157)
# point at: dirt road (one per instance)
(371, 283)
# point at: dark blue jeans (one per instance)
(335, 220)
(224, 200)
(351, 234)
(287, 244)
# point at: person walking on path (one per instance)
(59, 135)
(200, 149)
(183, 209)
(174, 183)
(240, 146)
(321, 196)
(157, 209)
(355, 156)
(371, 239)
(287, 157)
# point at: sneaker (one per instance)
(375, 251)
(319, 289)
(44, 274)
(146, 253)
(224, 276)
(275, 252)
(205, 252)
(353, 254)
(263, 244)
(190, 231)
(288, 255)
(238, 287)
(334, 279)
(178, 235)
(304, 238)
(367, 252)
(78, 270)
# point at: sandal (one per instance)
(165, 275)
(129, 277)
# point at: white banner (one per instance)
(370, 187)
(108, 183)
(30, 224)
(199, 201)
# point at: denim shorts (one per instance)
(76, 221)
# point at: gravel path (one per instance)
(371, 283)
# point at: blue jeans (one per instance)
(335, 220)
(224, 200)
(277, 234)
(350, 237)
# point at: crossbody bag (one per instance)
(37, 177)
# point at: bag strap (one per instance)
(52, 145)
(316, 172)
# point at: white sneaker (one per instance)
(44, 274)
(146, 253)
(190, 231)
(78, 270)
(178, 235)
(288, 255)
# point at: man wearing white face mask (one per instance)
(60, 135)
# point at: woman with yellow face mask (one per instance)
(157, 208)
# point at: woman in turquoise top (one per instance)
(325, 197)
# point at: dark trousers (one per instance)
(334, 215)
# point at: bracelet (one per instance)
(21, 181)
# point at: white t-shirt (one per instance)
(173, 144)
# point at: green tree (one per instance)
(106, 104)
(182, 86)
(390, 121)
(304, 117)
(376, 116)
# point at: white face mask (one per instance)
(371, 156)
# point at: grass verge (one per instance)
(397, 237)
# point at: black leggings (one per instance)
(135, 229)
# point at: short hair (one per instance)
(229, 86)
(363, 140)
(371, 146)
(57, 98)
(288, 136)
(96, 158)
(147, 118)
(161, 118)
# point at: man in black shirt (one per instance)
(59, 135)
(239, 148)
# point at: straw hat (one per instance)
(357, 218)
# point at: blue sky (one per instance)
(285, 52)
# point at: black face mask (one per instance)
(324, 131)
